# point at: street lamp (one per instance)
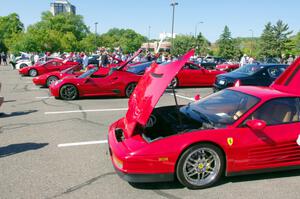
(149, 29)
(173, 16)
(196, 27)
(252, 33)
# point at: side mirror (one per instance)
(257, 125)
(86, 79)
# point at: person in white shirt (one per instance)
(243, 60)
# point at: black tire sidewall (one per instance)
(48, 80)
(128, 87)
(30, 72)
(184, 155)
(63, 87)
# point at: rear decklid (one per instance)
(289, 80)
(149, 90)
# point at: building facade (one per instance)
(62, 6)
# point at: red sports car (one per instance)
(49, 78)
(49, 66)
(235, 131)
(227, 66)
(94, 82)
(195, 75)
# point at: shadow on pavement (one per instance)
(19, 148)
(18, 113)
(225, 180)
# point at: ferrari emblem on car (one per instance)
(298, 140)
(230, 141)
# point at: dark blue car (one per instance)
(254, 74)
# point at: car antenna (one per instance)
(177, 106)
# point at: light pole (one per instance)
(196, 27)
(149, 29)
(251, 48)
(173, 16)
(196, 39)
(96, 24)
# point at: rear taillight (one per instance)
(237, 83)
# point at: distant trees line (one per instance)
(68, 33)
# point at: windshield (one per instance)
(88, 73)
(249, 69)
(138, 69)
(220, 109)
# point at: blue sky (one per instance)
(239, 15)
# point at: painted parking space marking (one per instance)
(82, 143)
(44, 97)
(85, 111)
(184, 97)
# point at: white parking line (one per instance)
(85, 111)
(184, 97)
(83, 143)
(45, 97)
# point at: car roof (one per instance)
(268, 65)
(262, 92)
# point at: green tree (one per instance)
(294, 45)
(282, 33)
(274, 40)
(182, 43)
(228, 47)
(127, 39)
(202, 45)
(9, 25)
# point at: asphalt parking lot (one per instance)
(56, 149)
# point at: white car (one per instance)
(21, 63)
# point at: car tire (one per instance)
(50, 80)
(129, 89)
(174, 83)
(68, 92)
(200, 166)
(33, 73)
(23, 66)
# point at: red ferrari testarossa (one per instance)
(235, 131)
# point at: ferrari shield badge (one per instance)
(230, 141)
(298, 140)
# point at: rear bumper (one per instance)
(217, 88)
(54, 91)
(23, 71)
(39, 81)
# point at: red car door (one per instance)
(52, 66)
(277, 145)
(190, 75)
(99, 84)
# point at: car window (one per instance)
(193, 67)
(278, 111)
(275, 71)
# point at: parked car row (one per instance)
(237, 130)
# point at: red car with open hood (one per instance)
(49, 66)
(235, 131)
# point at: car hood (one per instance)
(234, 75)
(149, 90)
